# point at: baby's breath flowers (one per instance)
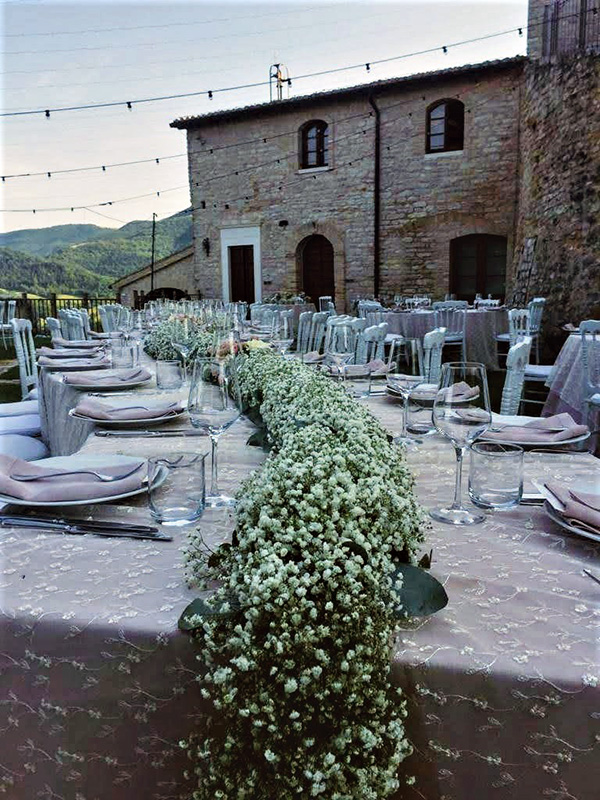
(299, 676)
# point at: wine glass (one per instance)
(182, 341)
(214, 405)
(404, 385)
(282, 336)
(461, 413)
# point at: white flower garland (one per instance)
(298, 675)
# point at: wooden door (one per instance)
(318, 278)
(241, 273)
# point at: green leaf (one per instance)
(420, 594)
(191, 618)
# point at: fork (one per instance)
(101, 476)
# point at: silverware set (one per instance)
(108, 528)
(148, 434)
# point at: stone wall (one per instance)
(241, 176)
(560, 187)
(175, 274)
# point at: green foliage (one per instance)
(85, 258)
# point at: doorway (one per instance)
(316, 267)
(478, 265)
(241, 273)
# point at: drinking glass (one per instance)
(282, 339)
(403, 385)
(496, 475)
(176, 487)
(123, 355)
(182, 340)
(419, 412)
(214, 405)
(334, 364)
(357, 380)
(169, 375)
(461, 413)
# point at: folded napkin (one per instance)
(581, 508)
(374, 367)
(83, 343)
(558, 428)
(135, 409)
(459, 392)
(312, 357)
(72, 363)
(64, 488)
(93, 378)
(66, 352)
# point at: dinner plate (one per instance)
(72, 367)
(109, 387)
(568, 526)
(95, 462)
(538, 445)
(127, 423)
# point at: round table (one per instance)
(481, 329)
(566, 380)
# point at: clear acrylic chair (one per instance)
(316, 339)
(25, 349)
(370, 344)
(454, 319)
(304, 327)
(516, 364)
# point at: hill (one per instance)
(85, 258)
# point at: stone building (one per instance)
(484, 178)
(400, 186)
(173, 277)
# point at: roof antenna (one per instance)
(278, 76)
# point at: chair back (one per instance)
(55, 329)
(517, 361)
(370, 344)
(431, 356)
(75, 325)
(445, 304)
(25, 349)
(316, 337)
(454, 319)
(339, 336)
(85, 320)
(255, 310)
(589, 330)
(367, 306)
(536, 309)
(304, 326)
(518, 324)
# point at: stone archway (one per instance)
(317, 274)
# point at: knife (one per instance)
(150, 434)
(98, 529)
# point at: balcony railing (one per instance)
(38, 308)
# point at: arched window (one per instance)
(445, 126)
(314, 144)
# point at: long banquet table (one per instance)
(98, 686)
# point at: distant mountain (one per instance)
(85, 258)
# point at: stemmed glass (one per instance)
(461, 413)
(182, 341)
(334, 363)
(404, 385)
(214, 405)
(282, 339)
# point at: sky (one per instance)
(59, 54)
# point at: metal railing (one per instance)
(570, 27)
(38, 308)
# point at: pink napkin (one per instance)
(127, 377)
(312, 357)
(374, 367)
(460, 392)
(66, 487)
(66, 352)
(539, 431)
(94, 409)
(72, 363)
(75, 343)
(581, 508)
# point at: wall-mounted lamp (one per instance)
(206, 246)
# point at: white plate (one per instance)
(556, 517)
(127, 423)
(71, 367)
(538, 445)
(81, 460)
(109, 387)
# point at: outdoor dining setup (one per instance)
(271, 550)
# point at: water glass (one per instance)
(176, 487)
(496, 475)
(169, 375)
(123, 356)
(357, 380)
(419, 411)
